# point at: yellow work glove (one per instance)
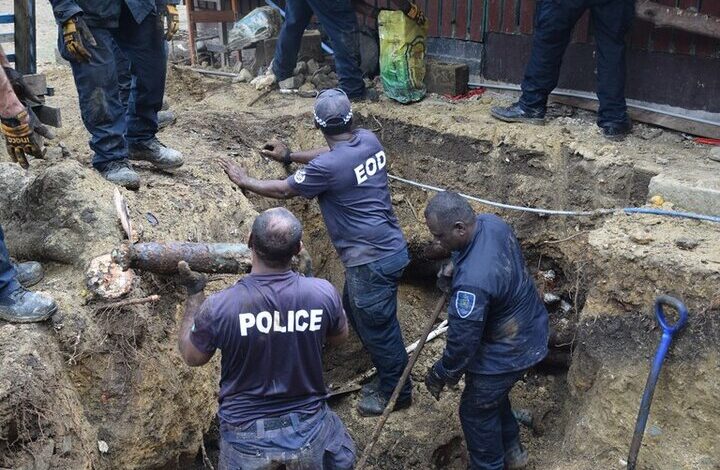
(416, 14)
(172, 21)
(23, 137)
(77, 36)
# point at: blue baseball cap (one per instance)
(332, 109)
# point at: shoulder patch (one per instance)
(464, 303)
(299, 176)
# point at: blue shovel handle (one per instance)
(668, 331)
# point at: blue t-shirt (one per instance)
(497, 322)
(351, 184)
(270, 330)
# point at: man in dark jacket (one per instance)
(90, 33)
(554, 22)
(497, 328)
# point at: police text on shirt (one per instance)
(297, 321)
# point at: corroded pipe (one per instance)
(219, 258)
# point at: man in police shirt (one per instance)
(497, 328)
(349, 179)
(270, 328)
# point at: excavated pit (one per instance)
(114, 376)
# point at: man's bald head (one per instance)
(275, 237)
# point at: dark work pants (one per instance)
(97, 83)
(554, 22)
(338, 19)
(486, 416)
(8, 283)
(370, 301)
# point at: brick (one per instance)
(446, 78)
(309, 49)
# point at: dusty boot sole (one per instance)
(12, 319)
(536, 121)
(398, 406)
(159, 166)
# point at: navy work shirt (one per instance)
(351, 184)
(105, 13)
(497, 322)
(270, 330)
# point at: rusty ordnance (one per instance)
(218, 258)
(163, 258)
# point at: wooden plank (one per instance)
(211, 16)
(447, 18)
(527, 16)
(649, 117)
(509, 21)
(36, 83)
(24, 36)
(495, 15)
(704, 46)
(477, 17)
(48, 115)
(684, 41)
(461, 16)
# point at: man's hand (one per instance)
(264, 81)
(23, 136)
(235, 172)
(172, 21)
(445, 277)
(194, 282)
(77, 37)
(434, 383)
(277, 150)
(416, 14)
(21, 89)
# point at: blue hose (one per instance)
(591, 213)
(270, 3)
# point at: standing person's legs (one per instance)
(370, 300)
(98, 94)
(124, 76)
(297, 17)
(554, 23)
(339, 21)
(611, 22)
(487, 420)
(8, 276)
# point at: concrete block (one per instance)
(446, 78)
(309, 49)
(292, 83)
(691, 193)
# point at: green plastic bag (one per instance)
(402, 56)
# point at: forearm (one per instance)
(192, 307)
(306, 156)
(276, 189)
(10, 105)
(464, 338)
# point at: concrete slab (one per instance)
(696, 193)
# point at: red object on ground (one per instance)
(469, 94)
(706, 141)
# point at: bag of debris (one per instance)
(261, 23)
(402, 56)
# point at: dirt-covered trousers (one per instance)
(111, 124)
(489, 426)
(370, 302)
(8, 283)
(295, 441)
(554, 22)
(339, 22)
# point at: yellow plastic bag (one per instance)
(402, 56)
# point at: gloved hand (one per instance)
(264, 81)
(172, 21)
(77, 36)
(416, 14)
(193, 282)
(23, 136)
(277, 150)
(445, 276)
(21, 89)
(434, 383)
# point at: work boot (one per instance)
(29, 273)
(616, 132)
(23, 306)
(369, 388)
(375, 403)
(517, 457)
(165, 118)
(515, 113)
(370, 95)
(121, 173)
(157, 153)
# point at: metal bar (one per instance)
(192, 31)
(7, 19)
(25, 36)
(7, 37)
